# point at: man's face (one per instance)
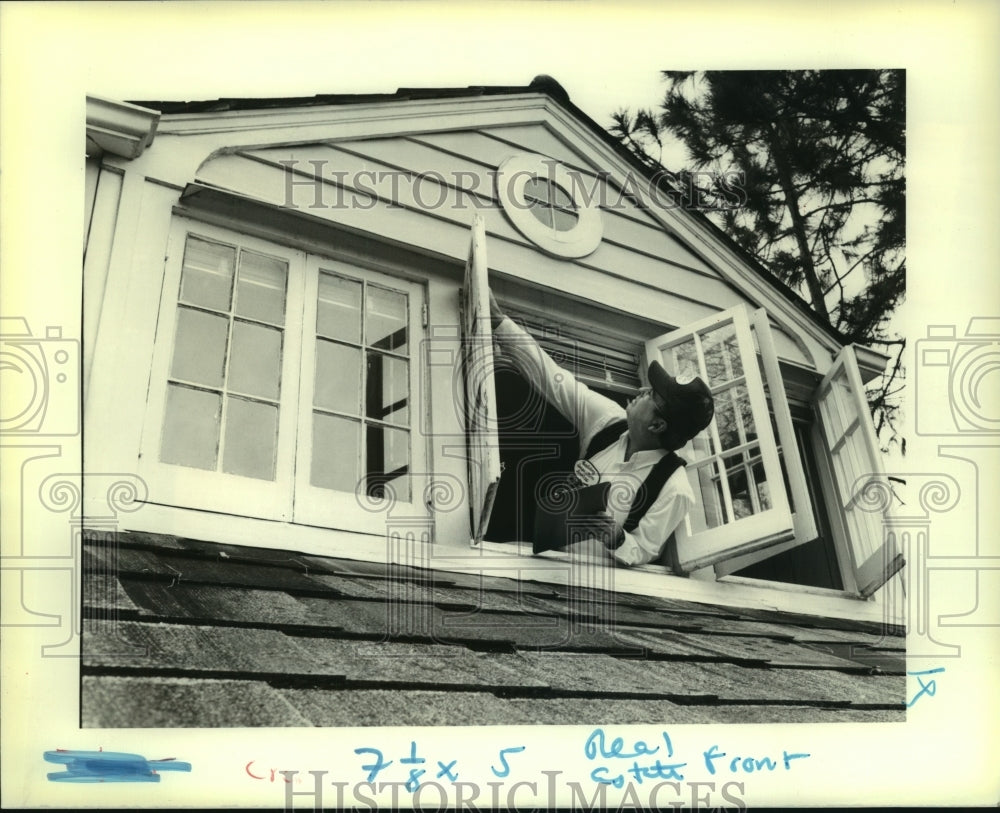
(645, 410)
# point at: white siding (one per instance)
(423, 190)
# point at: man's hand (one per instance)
(602, 527)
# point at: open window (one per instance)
(741, 503)
(860, 487)
(755, 495)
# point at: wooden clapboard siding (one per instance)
(444, 230)
(635, 248)
(489, 147)
(622, 215)
(542, 139)
(633, 253)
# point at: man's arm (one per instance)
(588, 411)
(643, 544)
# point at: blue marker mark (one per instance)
(929, 688)
(380, 764)
(109, 766)
(446, 771)
(504, 769)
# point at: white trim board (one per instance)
(494, 559)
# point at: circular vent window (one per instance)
(550, 205)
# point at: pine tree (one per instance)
(820, 158)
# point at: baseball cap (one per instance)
(689, 402)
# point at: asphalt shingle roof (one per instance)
(180, 632)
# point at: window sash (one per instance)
(481, 418)
(344, 489)
(213, 488)
(766, 526)
(861, 490)
(286, 497)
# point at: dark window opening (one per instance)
(812, 563)
(535, 439)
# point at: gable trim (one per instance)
(403, 117)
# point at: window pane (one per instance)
(739, 486)
(563, 220)
(200, 347)
(260, 292)
(722, 355)
(207, 275)
(338, 377)
(844, 398)
(388, 462)
(336, 453)
(709, 508)
(338, 308)
(385, 317)
(255, 368)
(542, 211)
(685, 357)
(251, 438)
(764, 488)
(733, 417)
(387, 393)
(536, 189)
(560, 197)
(748, 486)
(833, 418)
(191, 427)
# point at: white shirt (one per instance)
(590, 412)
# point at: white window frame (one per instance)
(357, 511)
(480, 386)
(803, 516)
(697, 548)
(857, 491)
(758, 537)
(513, 175)
(854, 476)
(174, 484)
(289, 497)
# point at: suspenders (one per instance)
(655, 480)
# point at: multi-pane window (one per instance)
(730, 470)
(224, 385)
(282, 384)
(752, 493)
(733, 464)
(361, 402)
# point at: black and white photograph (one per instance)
(557, 427)
(450, 406)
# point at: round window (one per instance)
(550, 205)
